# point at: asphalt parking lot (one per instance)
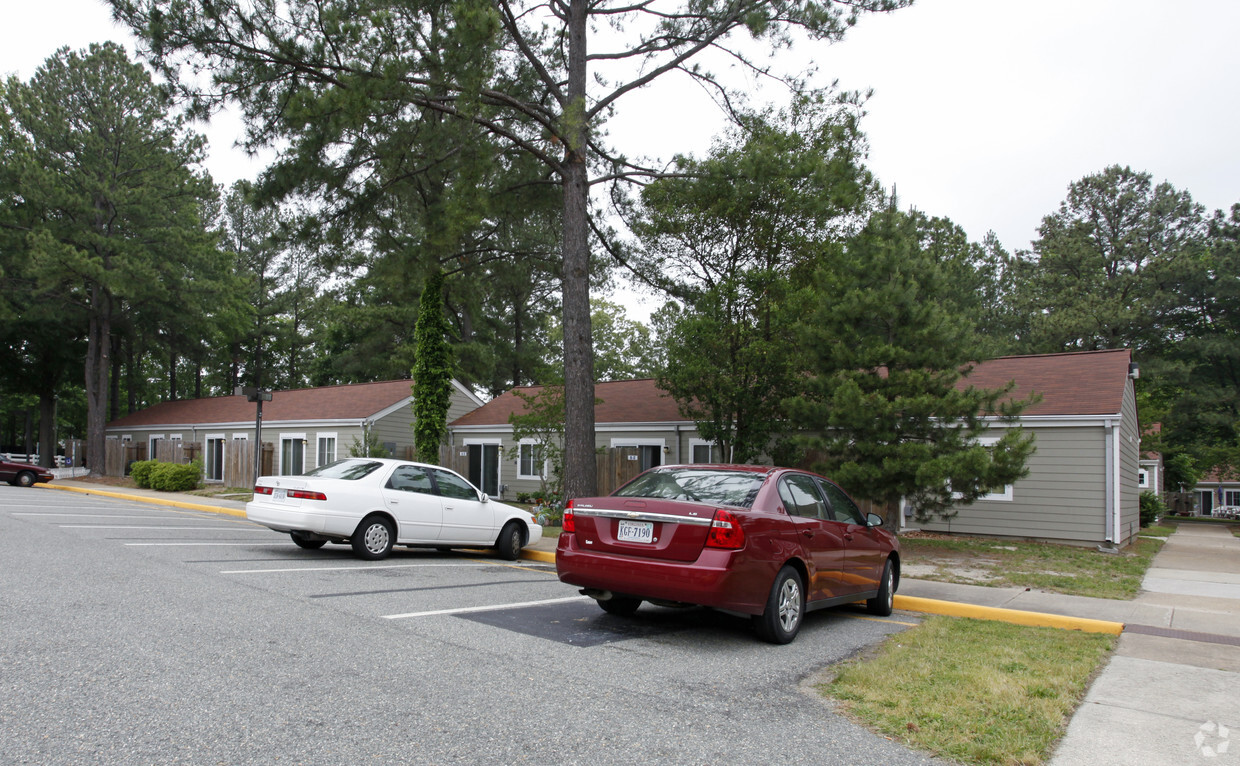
(143, 634)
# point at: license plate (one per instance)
(279, 494)
(636, 532)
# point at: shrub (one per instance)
(1151, 508)
(140, 472)
(173, 477)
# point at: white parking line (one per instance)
(492, 608)
(179, 545)
(101, 515)
(165, 526)
(347, 569)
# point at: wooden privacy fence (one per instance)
(615, 466)
(238, 465)
(239, 462)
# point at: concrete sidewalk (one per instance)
(1169, 695)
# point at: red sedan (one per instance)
(23, 474)
(771, 543)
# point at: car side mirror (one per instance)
(485, 498)
(874, 520)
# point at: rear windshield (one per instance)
(346, 469)
(706, 485)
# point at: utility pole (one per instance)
(258, 396)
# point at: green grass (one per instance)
(974, 691)
(551, 531)
(1044, 566)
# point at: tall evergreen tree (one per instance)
(886, 408)
(519, 71)
(97, 153)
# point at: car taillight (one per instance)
(261, 490)
(305, 494)
(725, 531)
(568, 523)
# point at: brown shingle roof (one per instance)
(621, 401)
(347, 402)
(1081, 383)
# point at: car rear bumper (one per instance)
(285, 519)
(722, 579)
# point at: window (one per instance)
(292, 454)
(411, 478)
(802, 498)
(1004, 494)
(327, 450)
(1231, 497)
(703, 452)
(214, 463)
(451, 485)
(531, 463)
(842, 506)
(1143, 478)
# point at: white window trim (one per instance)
(694, 443)
(280, 455)
(1005, 496)
(206, 449)
(499, 464)
(531, 443)
(334, 436)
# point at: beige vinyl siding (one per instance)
(1062, 498)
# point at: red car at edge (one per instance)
(770, 543)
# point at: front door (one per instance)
(410, 497)
(484, 467)
(466, 517)
(866, 552)
(820, 538)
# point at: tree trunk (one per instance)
(98, 367)
(47, 427)
(579, 464)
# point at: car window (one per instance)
(411, 478)
(351, 470)
(451, 485)
(842, 505)
(801, 497)
(706, 485)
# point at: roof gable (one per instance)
(355, 401)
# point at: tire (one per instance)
(373, 538)
(621, 606)
(25, 479)
(882, 603)
(305, 542)
(510, 541)
(785, 608)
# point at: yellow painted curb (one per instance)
(147, 499)
(543, 556)
(1014, 616)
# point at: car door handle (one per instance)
(807, 532)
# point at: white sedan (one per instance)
(376, 503)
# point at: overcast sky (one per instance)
(983, 110)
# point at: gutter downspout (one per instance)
(1117, 522)
(1111, 485)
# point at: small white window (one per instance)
(327, 449)
(531, 463)
(1143, 478)
(702, 452)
